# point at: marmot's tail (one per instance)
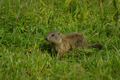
(99, 46)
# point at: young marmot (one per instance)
(64, 43)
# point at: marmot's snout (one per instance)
(46, 38)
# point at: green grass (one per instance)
(25, 55)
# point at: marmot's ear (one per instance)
(59, 33)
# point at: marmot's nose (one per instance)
(46, 39)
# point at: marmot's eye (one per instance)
(53, 34)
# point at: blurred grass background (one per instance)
(24, 54)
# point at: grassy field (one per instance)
(25, 55)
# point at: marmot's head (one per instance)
(54, 37)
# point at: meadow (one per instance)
(25, 55)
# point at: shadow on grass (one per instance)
(46, 47)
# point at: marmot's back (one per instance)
(76, 40)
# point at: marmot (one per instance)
(64, 43)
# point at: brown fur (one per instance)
(64, 43)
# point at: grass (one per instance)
(25, 55)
